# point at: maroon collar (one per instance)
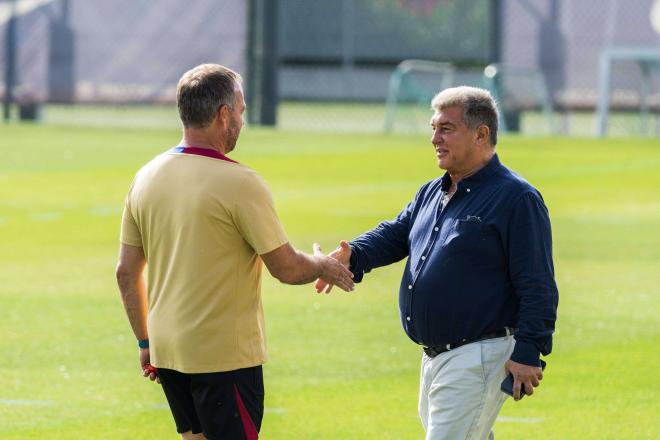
(199, 151)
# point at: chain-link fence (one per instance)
(334, 60)
(345, 52)
(565, 39)
(120, 51)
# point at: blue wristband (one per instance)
(143, 343)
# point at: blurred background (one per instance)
(338, 110)
(555, 66)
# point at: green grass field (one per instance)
(340, 365)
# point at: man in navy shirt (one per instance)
(478, 290)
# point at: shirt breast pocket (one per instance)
(464, 235)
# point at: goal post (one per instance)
(416, 82)
(648, 61)
(518, 89)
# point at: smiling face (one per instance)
(464, 129)
(454, 143)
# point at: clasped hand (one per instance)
(343, 255)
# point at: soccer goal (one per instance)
(621, 94)
(411, 87)
(518, 90)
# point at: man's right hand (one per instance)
(343, 255)
(291, 266)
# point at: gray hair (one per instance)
(478, 106)
(202, 91)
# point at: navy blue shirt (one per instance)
(482, 263)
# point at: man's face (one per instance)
(236, 122)
(454, 143)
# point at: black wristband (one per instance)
(143, 343)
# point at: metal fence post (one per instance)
(263, 59)
(10, 74)
(602, 108)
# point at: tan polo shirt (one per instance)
(202, 223)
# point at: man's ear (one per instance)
(482, 135)
(223, 115)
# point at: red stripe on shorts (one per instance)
(248, 425)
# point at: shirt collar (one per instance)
(477, 178)
(201, 152)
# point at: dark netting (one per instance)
(337, 57)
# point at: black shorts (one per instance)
(226, 405)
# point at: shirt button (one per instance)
(409, 286)
(468, 190)
(436, 229)
(423, 257)
(407, 318)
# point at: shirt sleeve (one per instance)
(387, 243)
(130, 232)
(532, 273)
(256, 218)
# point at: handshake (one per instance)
(334, 268)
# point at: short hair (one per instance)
(202, 91)
(478, 107)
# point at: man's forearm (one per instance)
(291, 266)
(381, 246)
(134, 296)
(531, 271)
(306, 269)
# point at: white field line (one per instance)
(98, 211)
(365, 188)
(25, 402)
(105, 210)
(505, 419)
(45, 217)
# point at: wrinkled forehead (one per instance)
(448, 115)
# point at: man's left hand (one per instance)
(148, 370)
(526, 375)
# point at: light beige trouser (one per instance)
(459, 392)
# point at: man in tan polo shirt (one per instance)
(204, 223)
